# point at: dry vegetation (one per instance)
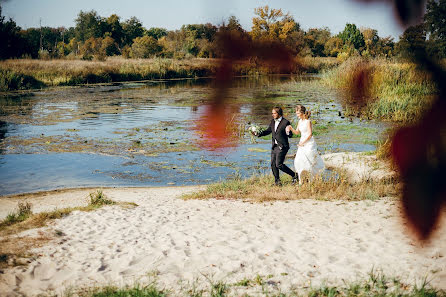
(30, 73)
(335, 187)
(383, 89)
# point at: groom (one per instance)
(280, 144)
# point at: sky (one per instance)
(172, 14)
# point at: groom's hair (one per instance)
(278, 110)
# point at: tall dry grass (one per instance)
(395, 91)
(334, 187)
(19, 74)
(75, 72)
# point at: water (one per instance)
(143, 134)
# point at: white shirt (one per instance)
(276, 124)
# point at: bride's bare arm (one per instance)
(295, 131)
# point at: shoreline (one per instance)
(179, 242)
(358, 165)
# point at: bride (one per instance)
(307, 158)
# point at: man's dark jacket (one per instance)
(279, 135)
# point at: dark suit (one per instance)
(279, 150)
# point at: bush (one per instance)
(98, 198)
(44, 55)
(144, 47)
(11, 80)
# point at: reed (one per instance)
(382, 89)
(17, 74)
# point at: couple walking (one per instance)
(307, 158)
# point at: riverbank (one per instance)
(288, 245)
(22, 74)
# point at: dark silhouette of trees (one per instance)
(435, 20)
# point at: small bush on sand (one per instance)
(98, 198)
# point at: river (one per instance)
(144, 133)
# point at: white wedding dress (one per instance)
(307, 157)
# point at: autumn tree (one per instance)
(92, 48)
(333, 46)
(316, 40)
(371, 40)
(385, 47)
(272, 24)
(144, 47)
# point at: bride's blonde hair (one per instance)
(303, 111)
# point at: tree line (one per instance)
(96, 37)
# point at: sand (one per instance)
(178, 243)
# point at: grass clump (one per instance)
(378, 284)
(137, 291)
(261, 188)
(98, 199)
(23, 212)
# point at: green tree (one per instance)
(200, 31)
(352, 36)
(145, 47)
(12, 43)
(88, 25)
(114, 28)
(435, 20)
(233, 25)
(32, 44)
(413, 41)
(132, 29)
(156, 33)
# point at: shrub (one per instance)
(98, 198)
(144, 47)
(11, 80)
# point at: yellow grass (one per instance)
(262, 188)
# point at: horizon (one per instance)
(54, 14)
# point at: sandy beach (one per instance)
(178, 243)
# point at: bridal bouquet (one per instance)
(255, 130)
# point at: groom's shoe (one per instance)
(295, 180)
(278, 183)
